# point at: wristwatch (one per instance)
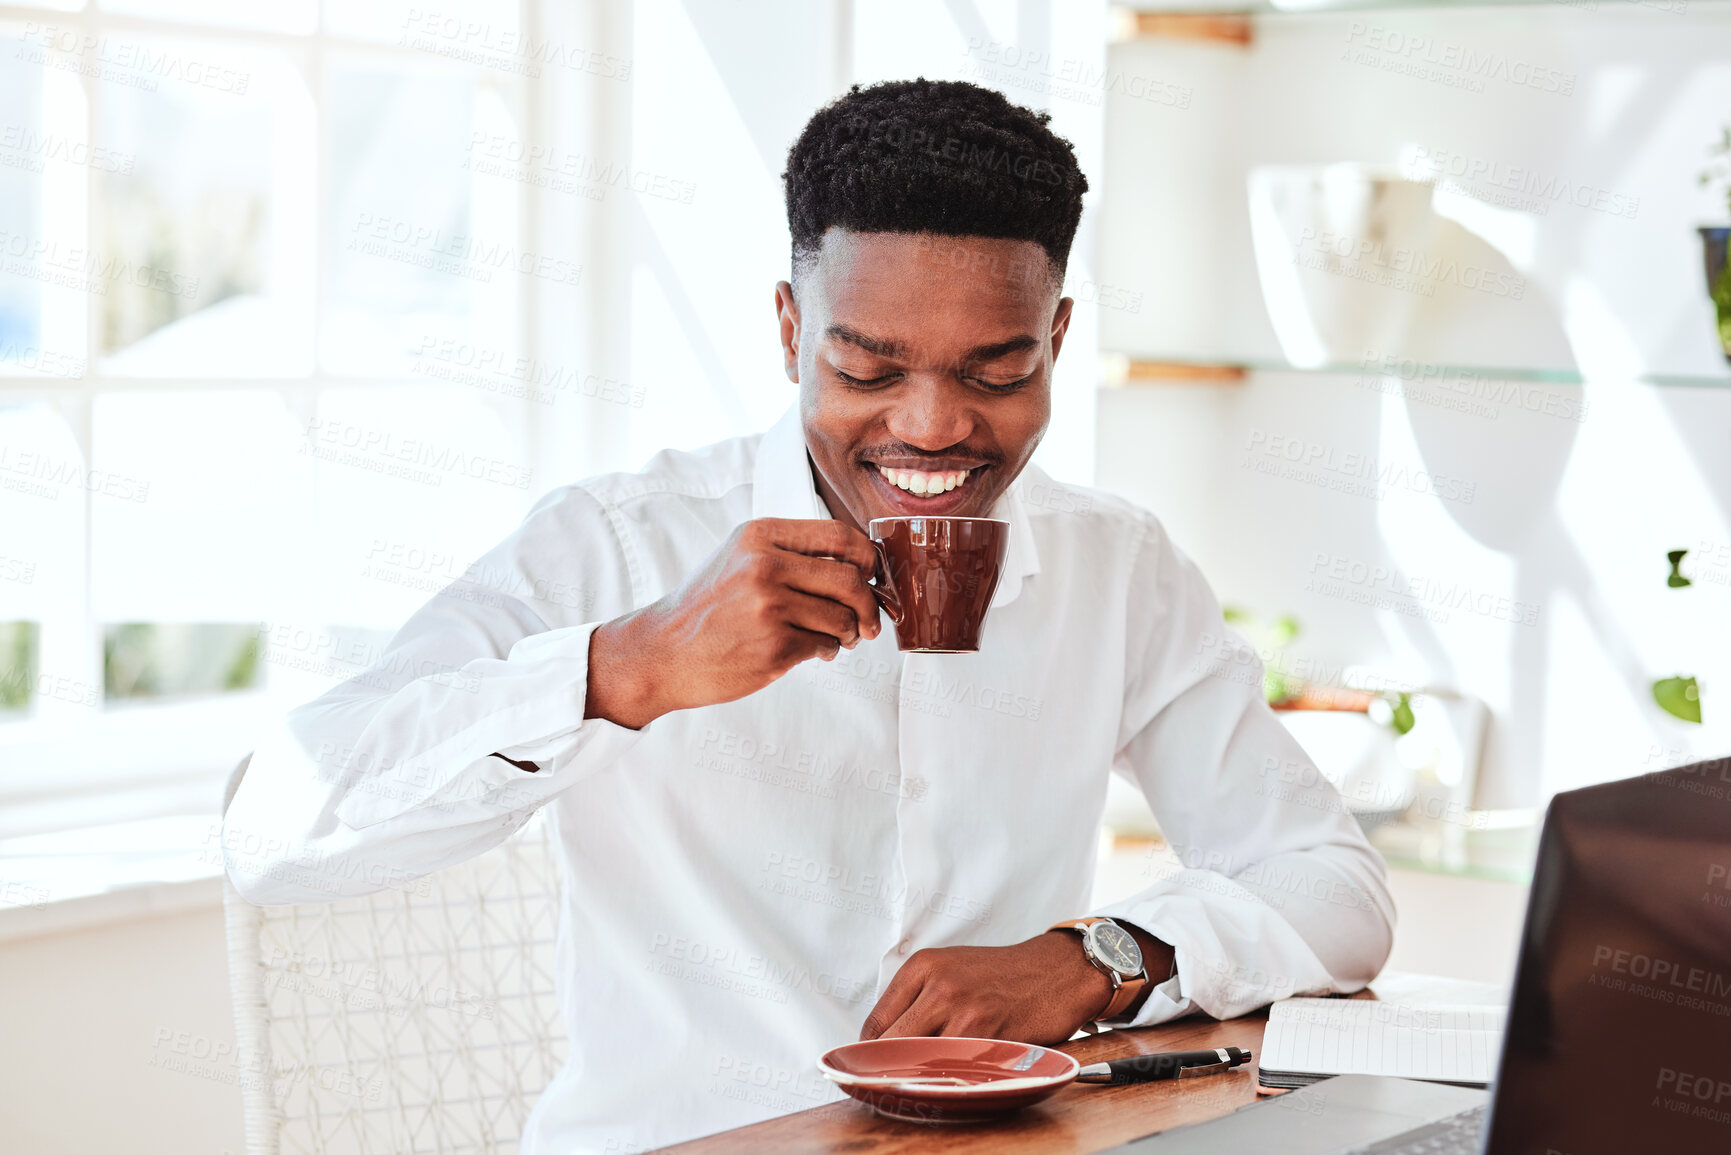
(1113, 950)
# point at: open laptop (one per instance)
(1619, 1029)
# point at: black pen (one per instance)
(1171, 1065)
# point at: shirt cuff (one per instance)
(1166, 1000)
(531, 708)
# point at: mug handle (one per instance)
(881, 587)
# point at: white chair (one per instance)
(419, 1019)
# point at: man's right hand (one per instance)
(776, 593)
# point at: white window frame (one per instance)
(141, 759)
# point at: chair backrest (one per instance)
(419, 1019)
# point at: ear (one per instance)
(787, 316)
(1061, 323)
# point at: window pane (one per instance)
(199, 507)
(25, 149)
(43, 482)
(203, 245)
(418, 244)
(20, 204)
(164, 659)
(275, 15)
(17, 667)
(413, 485)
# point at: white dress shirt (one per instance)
(744, 879)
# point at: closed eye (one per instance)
(1004, 386)
(866, 382)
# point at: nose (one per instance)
(929, 415)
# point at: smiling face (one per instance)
(924, 364)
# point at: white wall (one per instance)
(100, 1028)
(682, 298)
(1569, 517)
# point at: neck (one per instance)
(832, 502)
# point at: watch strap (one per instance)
(1124, 990)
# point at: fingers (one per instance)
(821, 616)
(801, 644)
(835, 581)
(928, 1015)
(819, 538)
(904, 988)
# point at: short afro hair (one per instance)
(933, 156)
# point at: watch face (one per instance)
(1116, 948)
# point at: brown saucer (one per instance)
(951, 1080)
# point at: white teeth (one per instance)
(922, 484)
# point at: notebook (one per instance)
(1309, 1040)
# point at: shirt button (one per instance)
(904, 946)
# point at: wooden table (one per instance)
(1080, 1118)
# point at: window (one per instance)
(235, 238)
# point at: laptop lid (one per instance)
(1619, 1030)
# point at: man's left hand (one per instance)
(1038, 991)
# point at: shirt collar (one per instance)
(781, 486)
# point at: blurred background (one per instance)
(1410, 321)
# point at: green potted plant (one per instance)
(1713, 241)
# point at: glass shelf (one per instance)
(1149, 369)
(1498, 846)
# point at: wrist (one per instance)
(622, 685)
(1093, 990)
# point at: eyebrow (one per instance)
(895, 349)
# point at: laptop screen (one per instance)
(1619, 1032)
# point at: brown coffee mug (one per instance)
(936, 577)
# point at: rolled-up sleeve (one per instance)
(1278, 893)
(395, 773)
